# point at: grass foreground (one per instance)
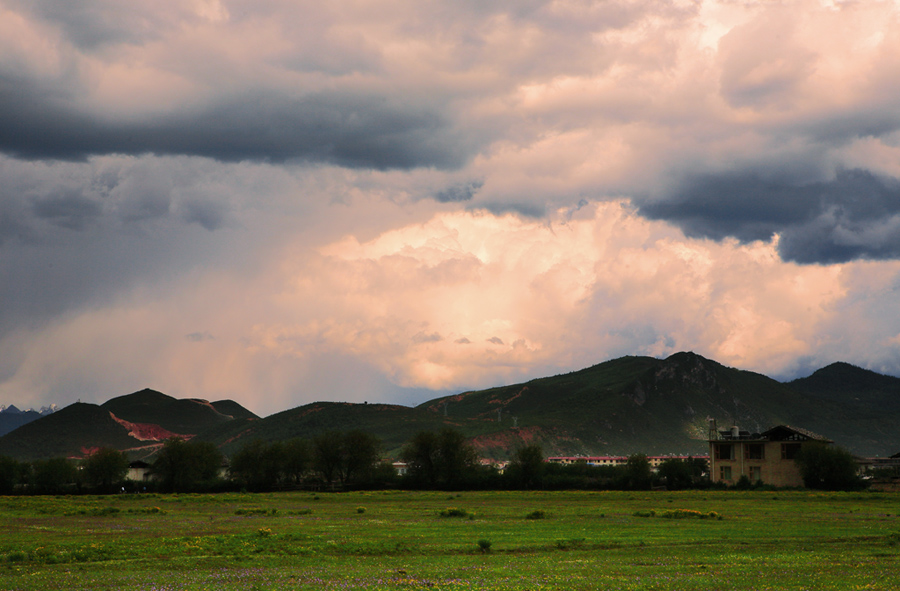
(696, 540)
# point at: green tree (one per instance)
(526, 467)
(699, 469)
(457, 460)
(10, 474)
(442, 460)
(259, 466)
(825, 467)
(105, 469)
(297, 459)
(677, 474)
(360, 453)
(53, 476)
(186, 466)
(327, 454)
(421, 457)
(636, 474)
(349, 457)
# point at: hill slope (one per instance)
(136, 423)
(632, 404)
(183, 416)
(70, 432)
(622, 406)
(871, 401)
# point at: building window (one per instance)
(724, 451)
(724, 472)
(789, 450)
(756, 451)
(755, 474)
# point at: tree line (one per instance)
(435, 460)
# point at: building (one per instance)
(655, 461)
(767, 457)
(138, 471)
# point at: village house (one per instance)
(654, 461)
(767, 457)
(138, 471)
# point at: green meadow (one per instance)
(703, 540)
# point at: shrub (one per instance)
(256, 512)
(570, 544)
(484, 546)
(679, 514)
(360, 509)
(454, 512)
(149, 510)
(535, 515)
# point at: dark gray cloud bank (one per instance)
(347, 129)
(854, 215)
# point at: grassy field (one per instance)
(398, 540)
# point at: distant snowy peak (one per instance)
(13, 410)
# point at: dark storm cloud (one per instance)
(12, 227)
(67, 209)
(207, 213)
(855, 215)
(528, 210)
(458, 193)
(353, 130)
(89, 24)
(199, 337)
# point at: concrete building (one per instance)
(767, 457)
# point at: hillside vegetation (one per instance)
(619, 407)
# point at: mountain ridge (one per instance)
(617, 407)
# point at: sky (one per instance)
(280, 201)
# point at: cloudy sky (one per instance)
(281, 201)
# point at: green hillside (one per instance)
(619, 407)
(69, 432)
(622, 406)
(149, 417)
(874, 401)
(393, 424)
(845, 383)
(232, 409)
(629, 405)
(184, 416)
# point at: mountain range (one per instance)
(11, 418)
(619, 407)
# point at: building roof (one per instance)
(779, 433)
(786, 432)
